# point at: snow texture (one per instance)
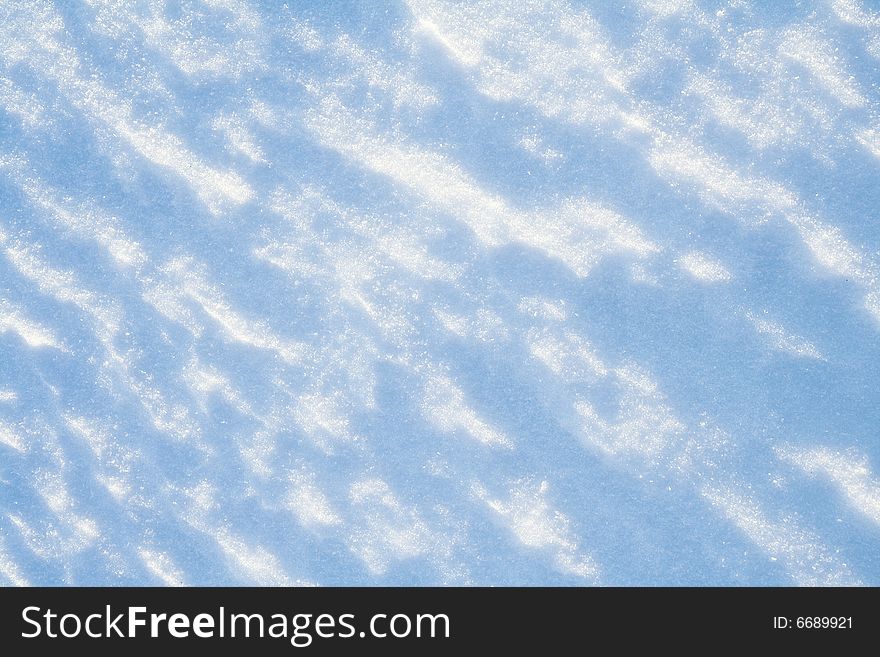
(425, 292)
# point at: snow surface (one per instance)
(425, 292)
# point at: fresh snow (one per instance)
(425, 292)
